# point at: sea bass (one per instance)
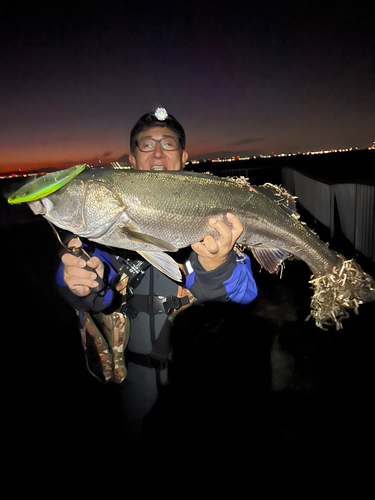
(157, 212)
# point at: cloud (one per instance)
(241, 142)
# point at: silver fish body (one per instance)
(154, 211)
(157, 212)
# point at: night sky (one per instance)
(243, 77)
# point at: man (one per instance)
(136, 293)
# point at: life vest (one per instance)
(106, 336)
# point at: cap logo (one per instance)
(161, 114)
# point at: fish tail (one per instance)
(344, 287)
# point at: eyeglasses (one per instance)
(168, 144)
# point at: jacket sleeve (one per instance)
(94, 302)
(232, 281)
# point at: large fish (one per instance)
(158, 212)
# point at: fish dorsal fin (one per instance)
(44, 185)
(280, 196)
(269, 258)
(146, 239)
(164, 263)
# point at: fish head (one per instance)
(64, 208)
(87, 207)
(67, 216)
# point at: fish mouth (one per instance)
(158, 168)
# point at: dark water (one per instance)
(218, 428)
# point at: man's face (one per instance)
(159, 159)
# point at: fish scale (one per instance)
(158, 212)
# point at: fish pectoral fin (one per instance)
(164, 263)
(145, 239)
(269, 258)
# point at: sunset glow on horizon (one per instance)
(250, 80)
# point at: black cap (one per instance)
(158, 118)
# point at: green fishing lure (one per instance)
(44, 185)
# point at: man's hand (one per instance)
(79, 280)
(213, 252)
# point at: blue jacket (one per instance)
(232, 281)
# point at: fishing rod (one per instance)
(82, 254)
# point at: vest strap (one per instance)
(154, 304)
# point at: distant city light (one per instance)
(279, 155)
(125, 165)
